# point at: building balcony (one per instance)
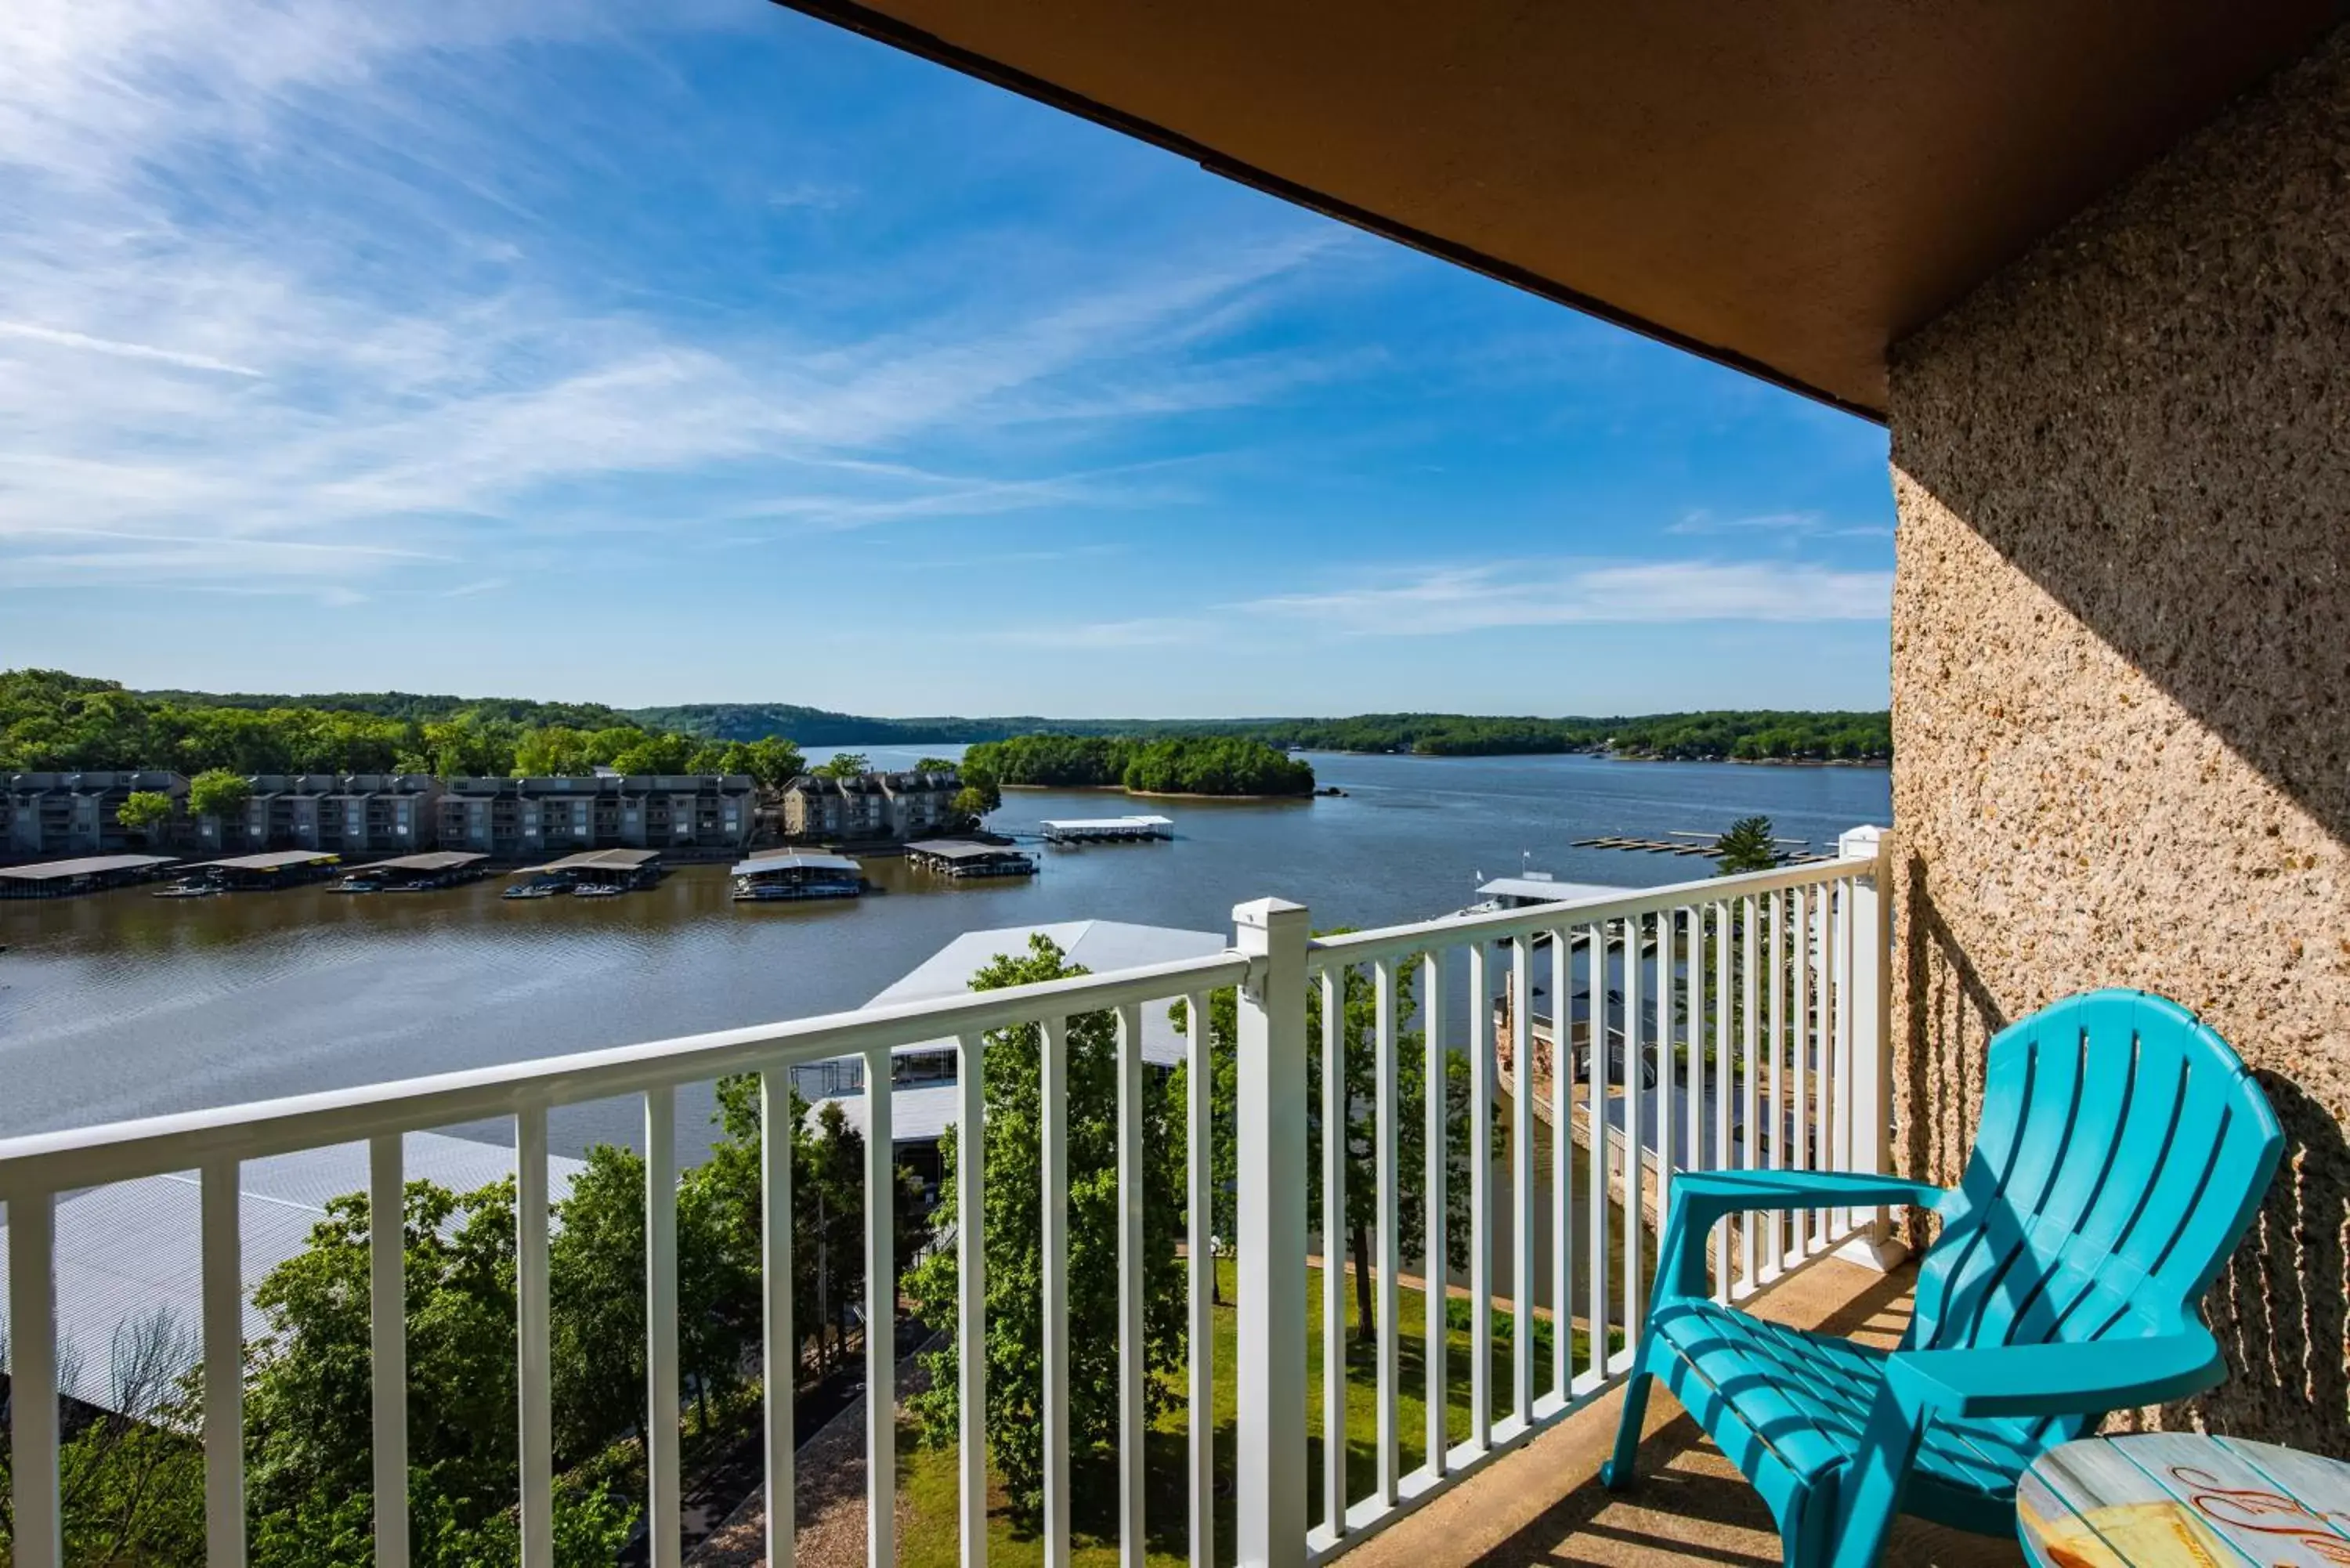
(1762, 1040)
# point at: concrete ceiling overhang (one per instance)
(1786, 186)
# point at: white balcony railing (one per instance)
(1736, 1022)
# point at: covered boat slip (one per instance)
(616, 868)
(91, 873)
(278, 868)
(1108, 829)
(959, 858)
(417, 873)
(791, 878)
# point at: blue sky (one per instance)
(702, 352)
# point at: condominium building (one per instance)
(337, 813)
(74, 812)
(870, 805)
(517, 818)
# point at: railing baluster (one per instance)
(40, 1539)
(1693, 1075)
(971, 1299)
(223, 1318)
(664, 1498)
(1521, 1181)
(1799, 1104)
(880, 1311)
(1846, 1001)
(1667, 1078)
(1054, 1110)
(1750, 1155)
(1131, 1414)
(1725, 1084)
(779, 1346)
(1390, 1112)
(1774, 955)
(534, 1359)
(1481, 1195)
(1596, 1053)
(1200, 1224)
(1437, 1267)
(1635, 1140)
(387, 1345)
(1334, 1248)
(1562, 1162)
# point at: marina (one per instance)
(591, 874)
(91, 873)
(1705, 845)
(253, 872)
(416, 873)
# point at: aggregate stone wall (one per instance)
(2121, 675)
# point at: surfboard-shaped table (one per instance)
(2179, 1500)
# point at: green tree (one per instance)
(934, 765)
(217, 792)
(662, 753)
(1747, 847)
(146, 814)
(845, 765)
(1009, 1150)
(1358, 1026)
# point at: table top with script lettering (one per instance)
(2175, 1500)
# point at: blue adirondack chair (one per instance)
(2123, 1151)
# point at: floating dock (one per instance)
(617, 869)
(1108, 829)
(91, 873)
(960, 857)
(1791, 851)
(278, 868)
(419, 873)
(792, 878)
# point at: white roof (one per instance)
(1100, 946)
(130, 1253)
(795, 863)
(1109, 822)
(1548, 891)
(916, 1115)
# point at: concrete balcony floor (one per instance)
(1542, 1507)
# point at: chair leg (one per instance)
(1615, 1474)
(1870, 1490)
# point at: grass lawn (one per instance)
(926, 1480)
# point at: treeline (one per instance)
(51, 721)
(1729, 735)
(135, 1491)
(1176, 764)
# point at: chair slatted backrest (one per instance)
(2123, 1150)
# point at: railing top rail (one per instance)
(1501, 925)
(41, 1163)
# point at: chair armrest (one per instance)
(1712, 1194)
(2056, 1379)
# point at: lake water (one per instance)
(123, 1004)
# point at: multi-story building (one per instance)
(341, 814)
(871, 805)
(518, 818)
(74, 812)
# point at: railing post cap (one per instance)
(1864, 840)
(1263, 914)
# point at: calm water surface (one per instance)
(123, 1004)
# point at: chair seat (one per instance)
(1805, 1399)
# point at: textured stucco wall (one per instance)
(2121, 674)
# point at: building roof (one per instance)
(1100, 946)
(88, 866)
(275, 860)
(129, 1253)
(1547, 890)
(959, 849)
(759, 863)
(1084, 822)
(1788, 186)
(602, 860)
(437, 860)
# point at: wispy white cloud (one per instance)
(282, 273)
(1785, 525)
(1457, 599)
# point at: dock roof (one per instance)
(1547, 890)
(1084, 822)
(602, 860)
(275, 860)
(795, 863)
(88, 866)
(436, 860)
(959, 849)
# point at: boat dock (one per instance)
(959, 858)
(249, 873)
(1791, 851)
(1108, 829)
(595, 871)
(793, 878)
(91, 873)
(420, 873)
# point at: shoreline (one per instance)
(1160, 793)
